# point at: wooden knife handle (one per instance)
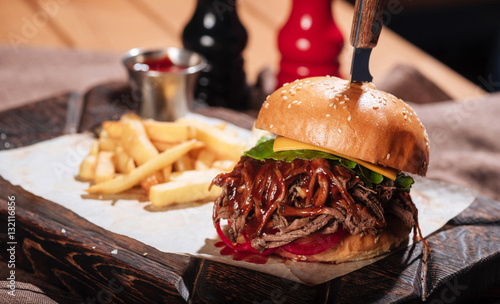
(370, 25)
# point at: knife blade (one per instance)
(365, 31)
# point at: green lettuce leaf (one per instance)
(264, 150)
(404, 181)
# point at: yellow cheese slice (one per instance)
(285, 144)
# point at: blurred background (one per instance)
(462, 34)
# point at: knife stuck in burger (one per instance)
(330, 186)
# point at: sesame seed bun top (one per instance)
(354, 119)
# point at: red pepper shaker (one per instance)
(310, 42)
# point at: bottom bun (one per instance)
(357, 247)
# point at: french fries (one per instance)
(223, 144)
(174, 192)
(134, 177)
(168, 132)
(187, 186)
(87, 167)
(123, 162)
(204, 160)
(106, 142)
(162, 131)
(105, 168)
(113, 128)
(136, 143)
(174, 162)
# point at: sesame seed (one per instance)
(285, 98)
(268, 97)
(388, 155)
(289, 105)
(340, 131)
(342, 102)
(345, 107)
(334, 106)
(300, 83)
(307, 81)
(349, 118)
(347, 98)
(283, 92)
(271, 126)
(286, 83)
(266, 105)
(331, 105)
(328, 115)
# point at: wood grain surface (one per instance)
(77, 255)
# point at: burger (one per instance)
(331, 183)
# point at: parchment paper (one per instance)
(48, 169)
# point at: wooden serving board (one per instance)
(74, 254)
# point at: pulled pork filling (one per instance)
(273, 203)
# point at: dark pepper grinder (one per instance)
(215, 31)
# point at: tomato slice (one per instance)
(247, 246)
(315, 243)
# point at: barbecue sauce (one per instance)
(255, 186)
(246, 256)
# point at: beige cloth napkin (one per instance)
(465, 142)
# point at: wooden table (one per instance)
(119, 25)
